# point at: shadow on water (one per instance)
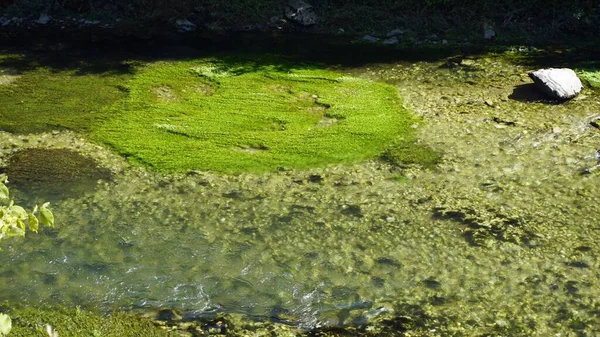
(529, 93)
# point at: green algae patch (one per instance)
(220, 115)
(591, 76)
(38, 98)
(54, 173)
(30, 322)
(408, 153)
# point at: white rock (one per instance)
(370, 38)
(184, 25)
(301, 12)
(558, 83)
(44, 19)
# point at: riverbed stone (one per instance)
(370, 38)
(301, 12)
(560, 83)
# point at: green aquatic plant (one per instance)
(231, 113)
(237, 115)
(407, 153)
(591, 76)
(40, 98)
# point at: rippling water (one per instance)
(503, 232)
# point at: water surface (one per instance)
(500, 237)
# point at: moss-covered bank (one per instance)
(75, 322)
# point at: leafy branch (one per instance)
(15, 221)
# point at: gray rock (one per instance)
(4, 21)
(488, 32)
(12, 21)
(301, 13)
(370, 38)
(91, 22)
(395, 32)
(184, 25)
(44, 19)
(557, 83)
(390, 40)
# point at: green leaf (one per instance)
(46, 216)
(21, 225)
(14, 231)
(5, 324)
(33, 222)
(18, 211)
(3, 191)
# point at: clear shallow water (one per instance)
(503, 233)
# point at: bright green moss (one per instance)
(237, 115)
(591, 76)
(31, 322)
(38, 99)
(228, 114)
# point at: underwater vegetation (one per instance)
(241, 113)
(479, 221)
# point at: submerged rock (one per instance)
(561, 83)
(301, 12)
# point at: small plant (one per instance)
(14, 219)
